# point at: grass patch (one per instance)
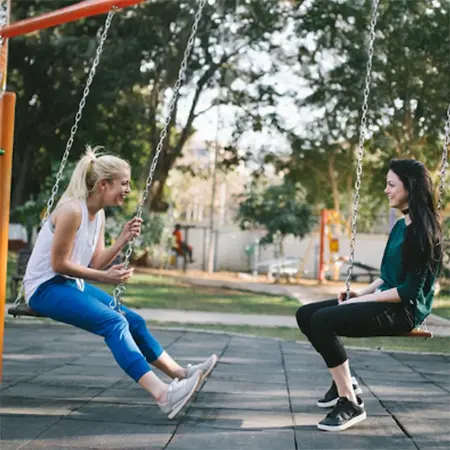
(441, 306)
(149, 291)
(436, 344)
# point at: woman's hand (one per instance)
(131, 230)
(342, 297)
(117, 274)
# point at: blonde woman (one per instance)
(70, 249)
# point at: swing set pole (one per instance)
(71, 13)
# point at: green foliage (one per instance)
(407, 104)
(445, 271)
(153, 231)
(138, 67)
(280, 209)
(31, 212)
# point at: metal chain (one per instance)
(74, 129)
(78, 115)
(362, 136)
(120, 289)
(444, 162)
(441, 190)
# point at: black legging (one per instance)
(323, 322)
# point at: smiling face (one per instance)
(396, 192)
(116, 190)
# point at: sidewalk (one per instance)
(303, 294)
(62, 390)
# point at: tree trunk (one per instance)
(333, 182)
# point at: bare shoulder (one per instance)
(68, 212)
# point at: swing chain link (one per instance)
(444, 162)
(116, 302)
(362, 137)
(73, 130)
(78, 115)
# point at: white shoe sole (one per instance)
(344, 426)
(358, 391)
(211, 368)
(179, 406)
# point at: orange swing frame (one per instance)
(70, 13)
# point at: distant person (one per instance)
(181, 247)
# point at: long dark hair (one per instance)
(422, 248)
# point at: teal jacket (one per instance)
(415, 287)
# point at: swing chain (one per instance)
(120, 289)
(78, 115)
(444, 162)
(362, 136)
(73, 130)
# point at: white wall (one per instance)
(233, 241)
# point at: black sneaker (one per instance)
(331, 397)
(344, 415)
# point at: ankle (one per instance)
(162, 396)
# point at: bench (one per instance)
(371, 272)
(22, 260)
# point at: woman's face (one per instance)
(115, 191)
(396, 192)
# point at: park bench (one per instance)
(370, 272)
(23, 256)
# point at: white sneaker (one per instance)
(205, 367)
(179, 393)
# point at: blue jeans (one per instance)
(127, 336)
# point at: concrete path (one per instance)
(303, 294)
(62, 390)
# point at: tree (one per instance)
(409, 94)
(280, 209)
(139, 67)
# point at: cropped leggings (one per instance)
(323, 322)
(127, 336)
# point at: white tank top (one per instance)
(39, 268)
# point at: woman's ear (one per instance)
(102, 185)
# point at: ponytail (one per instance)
(91, 168)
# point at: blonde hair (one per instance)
(91, 168)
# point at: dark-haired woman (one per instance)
(393, 304)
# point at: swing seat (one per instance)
(418, 332)
(23, 310)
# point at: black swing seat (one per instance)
(23, 310)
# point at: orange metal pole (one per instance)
(4, 196)
(9, 103)
(69, 14)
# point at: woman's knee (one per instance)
(322, 320)
(303, 316)
(135, 321)
(114, 323)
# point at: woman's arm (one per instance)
(103, 256)
(404, 293)
(67, 220)
(389, 296)
(371, 288)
